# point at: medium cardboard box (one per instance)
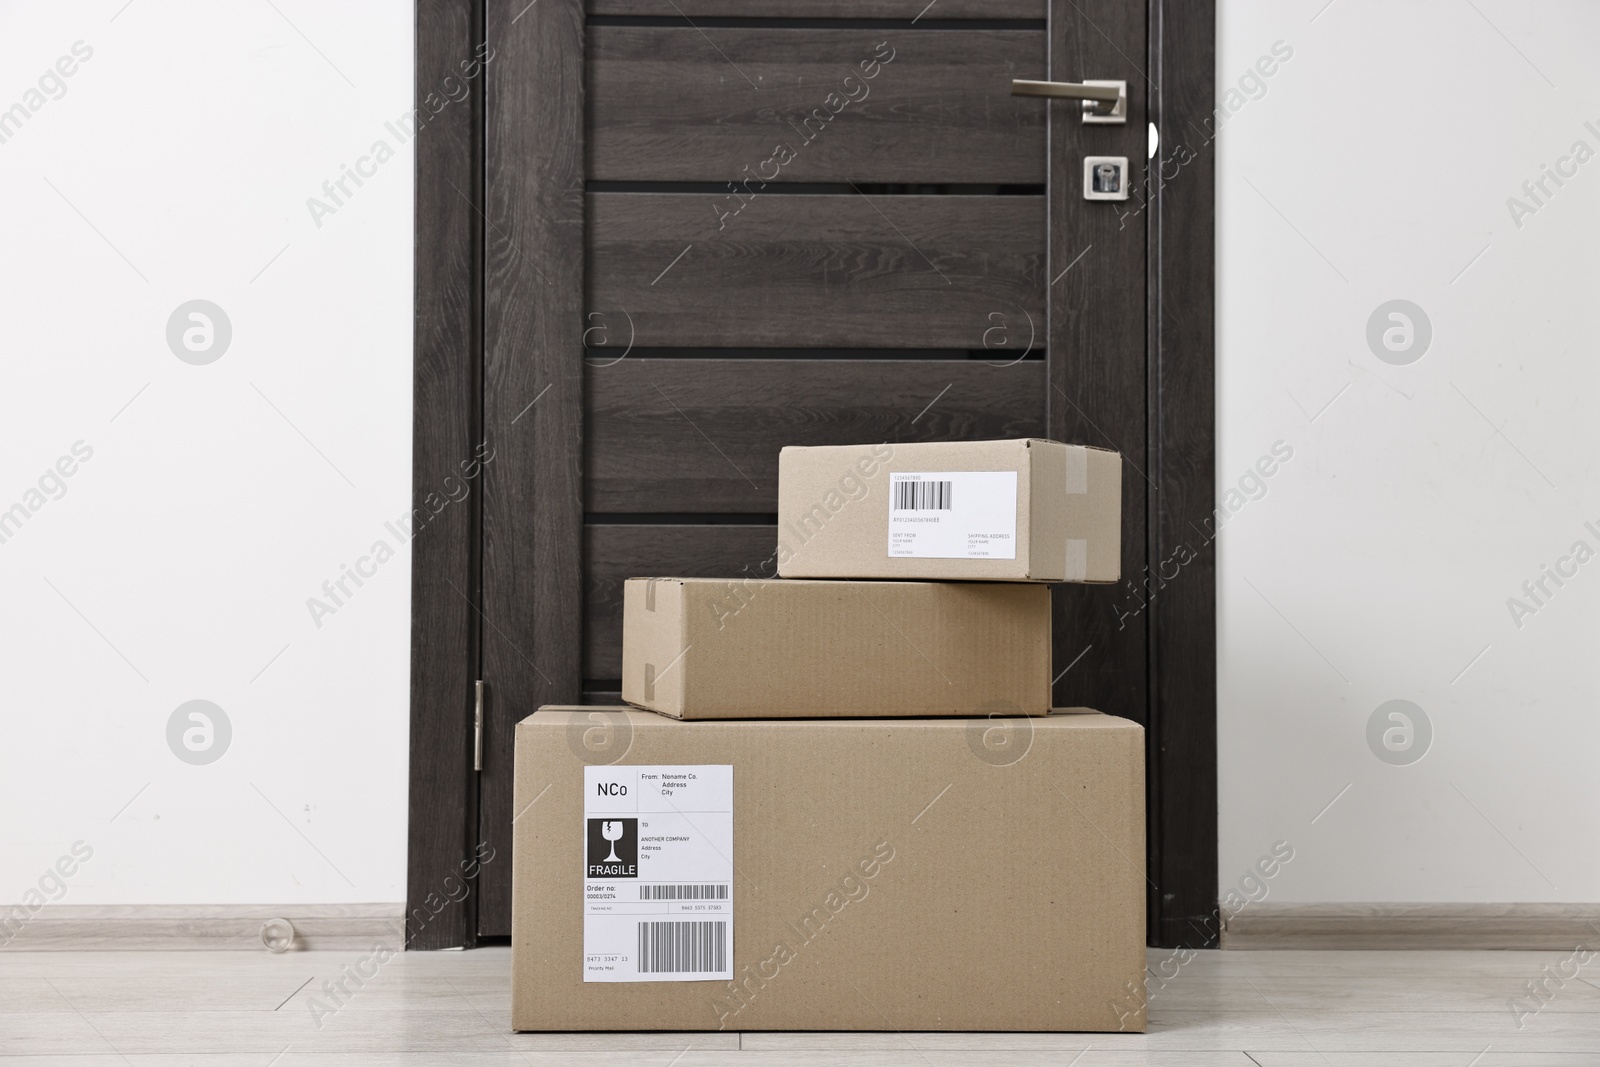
(1014, 511)
(828, 874)
(704, 648)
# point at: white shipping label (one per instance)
(953, 515)
(658, 874)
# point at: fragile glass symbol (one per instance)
(612, 831)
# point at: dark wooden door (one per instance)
(712, 228)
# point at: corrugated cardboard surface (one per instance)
(703, 648)
(833, 510)
(1012, 898)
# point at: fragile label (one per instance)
(658, 873)
(953, 515)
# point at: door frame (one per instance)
(448, 407)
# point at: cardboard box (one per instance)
(705, 648)
(1013, 511)
(908, 874)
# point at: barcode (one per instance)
(683, 892)
(922, 496)
(697, 947)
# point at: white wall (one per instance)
(177, 565)
(1378, 566)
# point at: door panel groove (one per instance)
(720, 188)
(1009, 346)
(781, 23)
(851, 9)
(668, 518)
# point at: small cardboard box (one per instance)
(829, 874)
(1014, 511)
(705, 648)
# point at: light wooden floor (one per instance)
(1235, 1009)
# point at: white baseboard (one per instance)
(1552, 927)
(186, 927)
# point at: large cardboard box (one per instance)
(704, 648)
(1015, 511)
(832, 874)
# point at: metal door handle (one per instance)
(1103, 101)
